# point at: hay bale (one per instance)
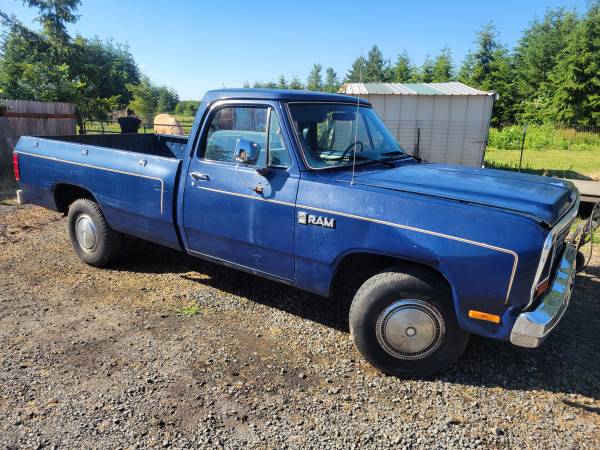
(167, 124)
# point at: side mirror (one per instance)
(246, 152)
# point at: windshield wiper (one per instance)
(364, 158)
(399, 153)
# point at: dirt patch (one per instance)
(107, 359)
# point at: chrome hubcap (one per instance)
(85, 231)
(410, 329)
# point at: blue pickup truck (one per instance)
(311, 189)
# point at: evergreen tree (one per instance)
(576, 78)
(282, 82)
(376, 69)
(536, 56)
(425, 74)
(404, 71)
(332, 83)
(315, 80)
(356, 73)
(295, 83)
(490, 68)
(443, 67)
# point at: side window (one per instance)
(278, 154)
(230, 124)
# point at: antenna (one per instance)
(356, 120)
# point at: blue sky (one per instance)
(193, 46)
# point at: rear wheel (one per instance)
(403, 322)
(93, 240)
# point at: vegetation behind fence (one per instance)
(554, 150)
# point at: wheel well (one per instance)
(65, 194)
(356, 268)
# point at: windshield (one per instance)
(330, 132)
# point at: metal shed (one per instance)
(438, 122)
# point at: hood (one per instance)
(545, 198)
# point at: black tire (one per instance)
(101, 249)
(387, 302)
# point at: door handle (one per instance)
(199, 176)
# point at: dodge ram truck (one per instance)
(310, 189)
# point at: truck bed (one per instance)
(133, 177)
(166, 146)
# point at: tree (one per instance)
(356, 73)
(377, 69)
(143, 100)
(295, 83)
(187, 107)
(404, 70)
(54, 15)
(166, 99)
(282, 82)
(443, 67)
(576, 78)
(314, 81)
(51, 66)
(425, 73)
(149, 99)
(536, 56)
(332, 83)
(490, 68)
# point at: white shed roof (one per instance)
(450, 88)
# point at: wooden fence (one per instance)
(29, 118)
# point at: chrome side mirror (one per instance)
(246, 152)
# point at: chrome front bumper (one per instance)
(532, 327)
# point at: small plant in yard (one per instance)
(190, 310)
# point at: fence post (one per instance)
(522, 146)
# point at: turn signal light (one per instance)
(484, 316)
(16, 166)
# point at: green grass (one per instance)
(190, 310)
(577, 164)
(560, 152)
(595, 236)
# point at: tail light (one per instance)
(16, 166)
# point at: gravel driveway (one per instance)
(164, 350)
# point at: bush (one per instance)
(187, 107)
(543, 137)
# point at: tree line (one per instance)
(552, 75)
(98, 76)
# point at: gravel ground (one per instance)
(95, 358)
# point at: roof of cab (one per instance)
(287, 95)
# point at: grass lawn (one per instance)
(577, 164)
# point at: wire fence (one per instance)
(112, 126)
(554, 149)
(442, 141)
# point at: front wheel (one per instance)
(94, 241)
(403, 322)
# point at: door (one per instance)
(240, 213)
